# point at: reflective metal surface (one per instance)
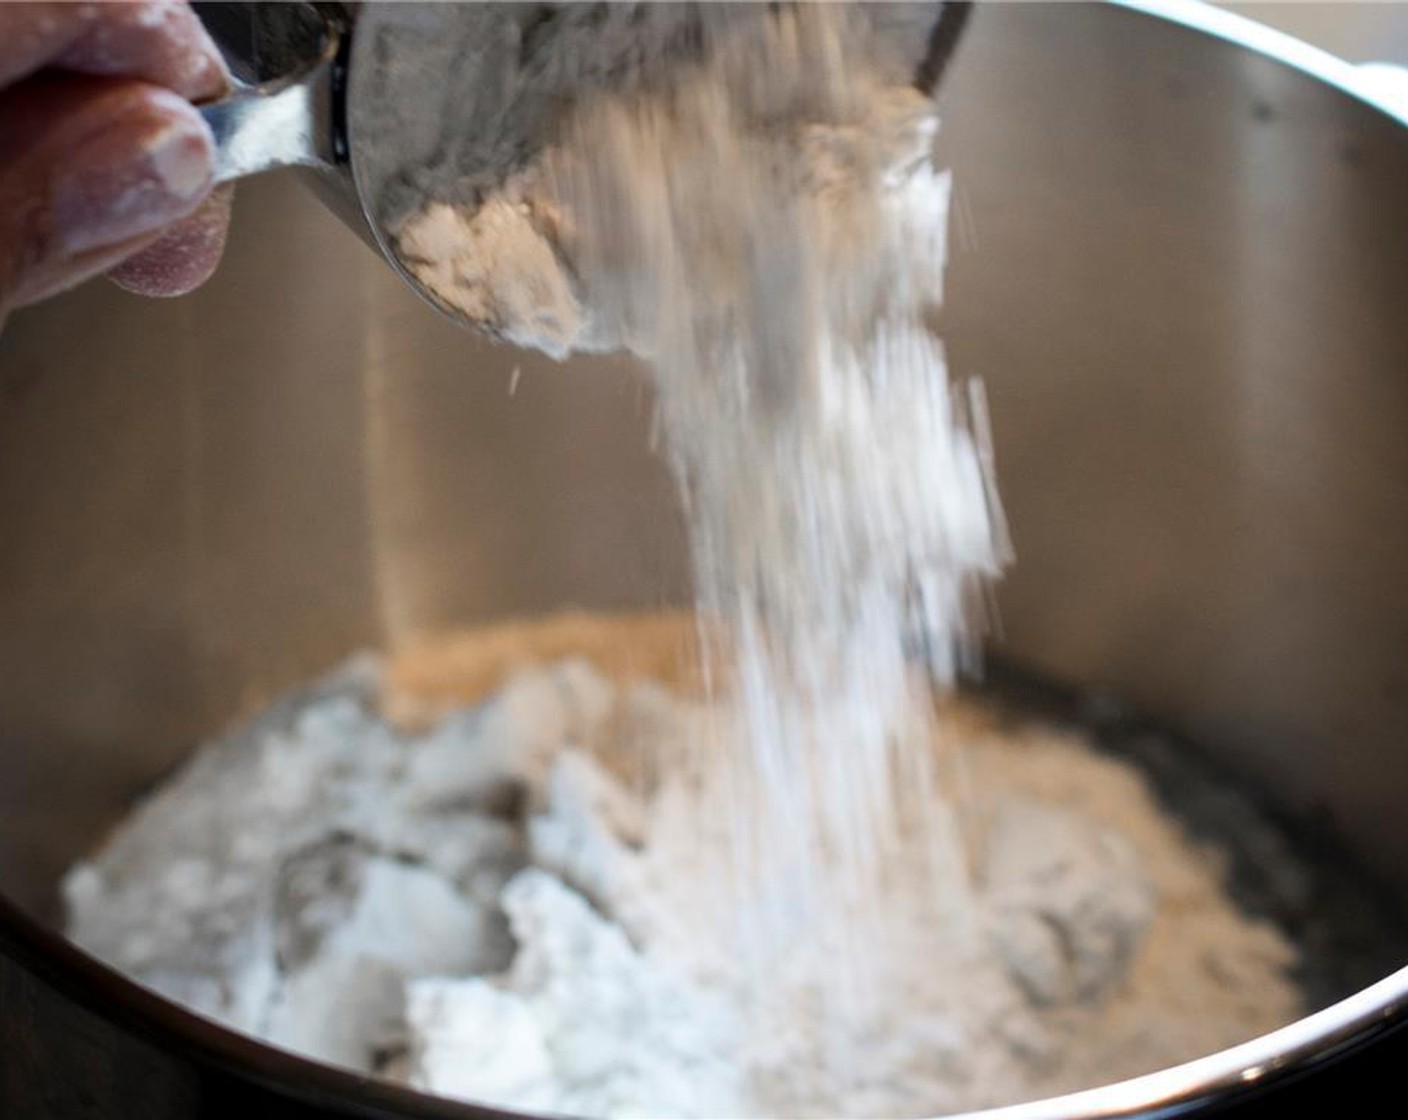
(316, 82)
(288, 124)
(1180, 264)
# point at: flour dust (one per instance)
(767, 230)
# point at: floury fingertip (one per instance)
(118, 187)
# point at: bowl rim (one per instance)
(1305, 1043)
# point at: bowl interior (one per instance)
(1179, 267)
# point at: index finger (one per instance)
(157, 41)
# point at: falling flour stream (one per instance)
(766, 230)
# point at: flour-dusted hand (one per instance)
(104, 164)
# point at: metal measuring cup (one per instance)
(310, 92)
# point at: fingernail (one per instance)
(134, 178)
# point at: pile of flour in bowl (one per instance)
(513, 905)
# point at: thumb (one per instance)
(94, 170)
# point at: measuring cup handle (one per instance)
(290, 122)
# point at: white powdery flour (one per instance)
(761, 220)
(490, 911)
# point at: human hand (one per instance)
(104, 164)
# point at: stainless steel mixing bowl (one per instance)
(1182, 268)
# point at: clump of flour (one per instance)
(505, 909)
(760, 218)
